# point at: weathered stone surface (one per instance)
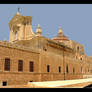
(68, 55)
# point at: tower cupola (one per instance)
(60, 32)
(39, 30)
(20, 28)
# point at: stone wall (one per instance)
(18, 53)
(54, 56)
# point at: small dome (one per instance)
(61, 37)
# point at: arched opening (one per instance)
(81, 58)
(78, 48)
(16, 35)
(44, 48)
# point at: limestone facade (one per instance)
(53, 59)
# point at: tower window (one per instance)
(59, 68)
(78, 48)
(7, 64)
(48, 68)
(44, 48)
(31, 66)
(20, 65)
(81, 58)
(16, 35)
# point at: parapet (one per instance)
(16, 46)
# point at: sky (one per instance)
(75, 20)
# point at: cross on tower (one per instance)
(18, 9)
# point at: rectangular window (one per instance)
(31, 66)
(4, 83)
(7, 64)
(48, 68)
(59, 69)
(73, 70)
(81, 69)
(31, 81)
(67, 71)
(20, 65)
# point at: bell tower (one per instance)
(20, 28)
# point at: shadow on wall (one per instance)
(89, 86)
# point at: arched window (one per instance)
(78, 48)
(44, 48)
(16, 35)
(81, 58)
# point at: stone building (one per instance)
(29, 56)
